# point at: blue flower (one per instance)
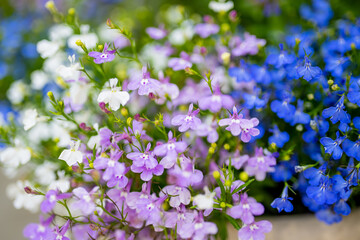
(354, 92)
(260, 74)
(283, 109)
(300, 116)
(283, 171)
(328, 216)
(322, 194)
(307, 71)
(336, 66)
(315, 175)
(241, 73)
(337, 113)
(320, 13)
(342, 207)
(333, 146)
(341, 186)
(279, 138)
(252, 100)
(280, 59)
(352, 149)
(283, 203)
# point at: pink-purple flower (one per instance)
(104, 56)
(189, 121)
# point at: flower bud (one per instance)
(79, 43)
(71, 11)
(222, 204)
(330, 82)
(109, 23)
(335, 87)
(353, 46)
(244, 176)
(128, 121)
(225, 57)
(50, 5)
(124, 112)
(228, 183)
(216, 174)
(51, 96)
(227, 146)
(100, 47)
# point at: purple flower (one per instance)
(146, 164)
(59, 233)
(237, 161)
(209, 131)
(104, 56)
(181, 219)
(185, 175)
(170, 150)
(156, 33)
(145, 85)
(51, 198)
(180, 63)
(249, 46)
(198, 229)
(247, 208)
(260, 164)
(150, 209)
(114, 170)
(41, 231)
(206, 29)
(84, 202)
(178, 195)
(255, 230)
(187, 121)
(237, 125)
(108, 138)
(216, 101)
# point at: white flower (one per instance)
(62, 184)
(21, 198)
(89, 39)
(47, 48)
(221, 6)
(30, 118)
(38, 79)
(79, 92)
(204, 201)
(180, 35)
(45, 173)
(72, 155)
(71, 72)
(114, 96)
(60, 32)
(13, 157)
(17, 92)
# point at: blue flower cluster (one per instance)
(311, 85)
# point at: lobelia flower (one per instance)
(114, 170)
(104, 56)
(41, 231)
(180, 63)
(255, 230)
(221, 6)
(204, 201)
(260, 164)
(283, 108)
(280, 59)
(279, 138)
(30, 118)
(60, 233)
(283, 203)
(51, 198)
(181, 218)
(237, 161)
(337, 113)
(150, 209)
(108, 138)
(246, 209)
(315, 175)
(69, 73)
(216, 101)
(170, 150)
(300, 116)
(187, 121)
(248, 46)
(146, 164)
(307, 71)
(237, 125)
(156, 33)
(72, 155)
(198, 229)
(185, 175)
(13, 157)
(145, 85)
(178, 195)
(209, 131)
(114, 97)
(354, 91)
(204, 30)
(333, 146)
(322, 194)
(352, 149)
(85, 200)
(167, 91)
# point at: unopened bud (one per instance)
(335, 87)
(226, 146)
(211, 150)
(109, 23)
(124, 112)
(222, 204)
(50, 5)
(100, 47)
(244, 176)
(216, 174)
(225, 57)
(51, 96)
(330, 82)
(228, 183)
(353, 46)
(299, 169)
(128, 121)
(71, 11)
(79, 43)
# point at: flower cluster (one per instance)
(162, 136)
